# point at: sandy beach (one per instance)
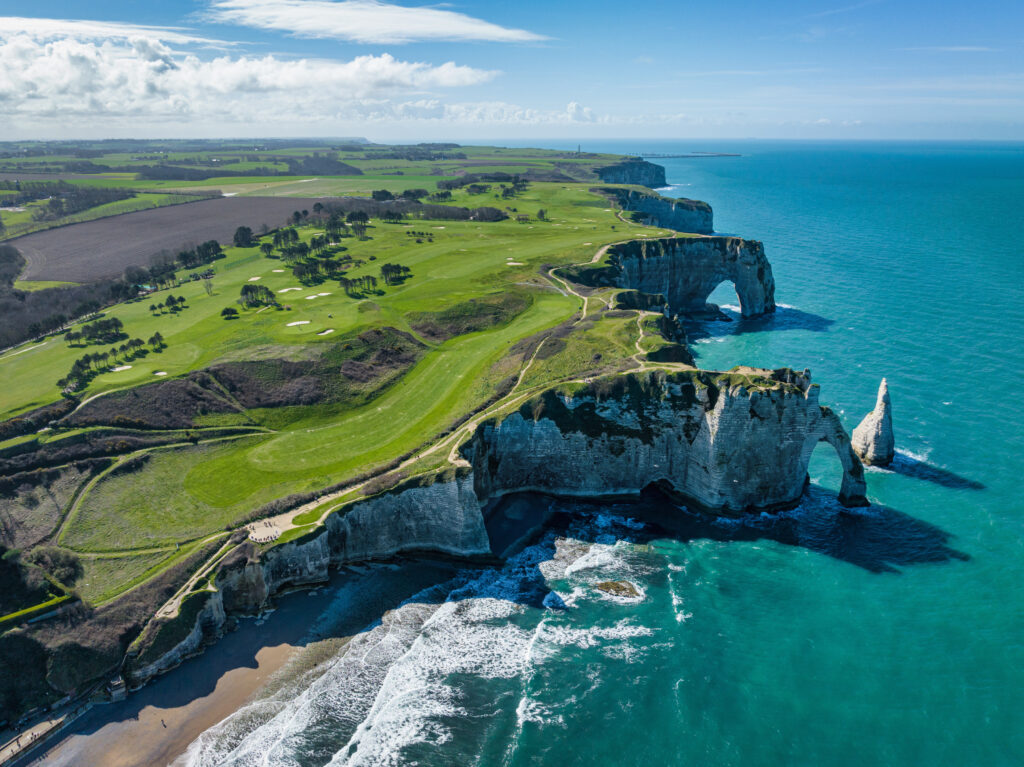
(155, 725)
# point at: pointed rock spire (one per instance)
(873, 440)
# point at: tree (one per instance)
(358, 217)
(266, 248)
(318, 208)
(229, 312)
(152, 308)
(542, 215)
(136, 275)
(359, 229)
(243, 237)
(156, 341)
(381, 195)
(208, 286)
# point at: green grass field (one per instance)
(127, 523)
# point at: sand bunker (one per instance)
(285, 290)
(160, 373)
(122, 367)
(253, 279)
(277, 271)
(298, 322)
(323, 294)
(326, 332)
(513, 263)
(310, 298)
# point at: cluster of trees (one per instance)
(284, 237)
(321, 165)
(517, 187)
(413, 195)
(63, 199)
(358, 286)
(86, 367)
(395, 274)
(497, 177)
(419, 235)
(243, 237)
(170, 303)
(99, 332)
(335, 227)
(376, 209)
(420, 153)
(205, 253)
(161, 275)
(257, 295)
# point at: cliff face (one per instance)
(686, 270)
(681, 214)
(634, 171)
(207, 623)
(444, 516)
(724, 443)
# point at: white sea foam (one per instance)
(592, 637)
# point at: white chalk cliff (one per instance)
(873, 439)
(724, 443)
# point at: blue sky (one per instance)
(465, 70)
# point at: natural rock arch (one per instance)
(853, 490)
(686, 270)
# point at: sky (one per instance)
(469, 69)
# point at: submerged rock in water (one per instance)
(873, 440)
(620, 589)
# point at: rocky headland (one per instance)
(652, 209)
(633, 171)
(686, 270)
(721, 443)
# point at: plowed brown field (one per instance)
(103, 248)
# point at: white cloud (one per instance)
(142, 76)
(51, 29)
(362, 21)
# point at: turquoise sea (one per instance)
(894, 636)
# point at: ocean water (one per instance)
(893, 636)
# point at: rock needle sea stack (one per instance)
(873, 439)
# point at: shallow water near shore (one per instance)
(890, 636)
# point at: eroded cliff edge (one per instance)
(652, 209)
(633, 170)
(723, 443)
(686, 270)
